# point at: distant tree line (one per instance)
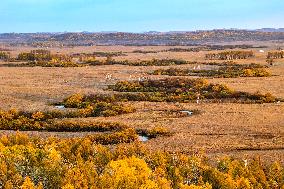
(226, 71)
(4, 55)
(39, 55)
(229, 55)
(275, 55)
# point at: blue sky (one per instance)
(138, 15)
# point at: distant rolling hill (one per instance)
(148, 38)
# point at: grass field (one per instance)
(219, 129)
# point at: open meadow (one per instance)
(216, 128)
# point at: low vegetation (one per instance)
(19, 120)
(49, 64)
(144, 52)
(229, 55)
(153, 62)
(39, 55)
(44, 58)
(38, 121)
(200, 48)
(107, 54)
(124, 136)
(164, 90)
(213, 48)
(185, 90)
(275, 55)
(4, 55)
(99, 106)
(35, 163)
(154, 132)
(227, 71)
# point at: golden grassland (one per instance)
(219, 128)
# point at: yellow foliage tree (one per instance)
(28, 184)
(243, 183)
(129, 173)
(205, 186)
(74, 101)
(38, 116)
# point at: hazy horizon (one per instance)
(32, 16)
(180, 31)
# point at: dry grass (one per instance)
(221, 128)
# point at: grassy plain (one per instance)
(220, 129)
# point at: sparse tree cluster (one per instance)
(229, 55)
(275, 55)
(153, 62)
(44, 58)
(4, 55)
(35, 55)
(185, 90)
(227, 71)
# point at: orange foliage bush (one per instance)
(27, 162)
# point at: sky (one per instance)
(138, 15)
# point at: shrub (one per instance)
(4, 55)
(275, 55)
(72, 126)
(96, 105)
(74, 101)
(14, 120)
(183, 90)
(38, 55)
(227, 71)
(229, 55)
(153, 62)
(154, 132)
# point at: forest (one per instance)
(35, 163)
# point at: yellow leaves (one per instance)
(81, 176)
(76, 179)
(200, 83)
(8, 185)
(9, 114)
(248, 72)
(243, 183)
(38, 116)
(256, 72)
(149, 184)
(129, 173)
(79, 163)
(2, 147)
(74, 100)
(28, 184)
(68, 186)
(206, 186)
(269, 98)
(54, 156)
(216, 88)
(158, 131)
(86, 112)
